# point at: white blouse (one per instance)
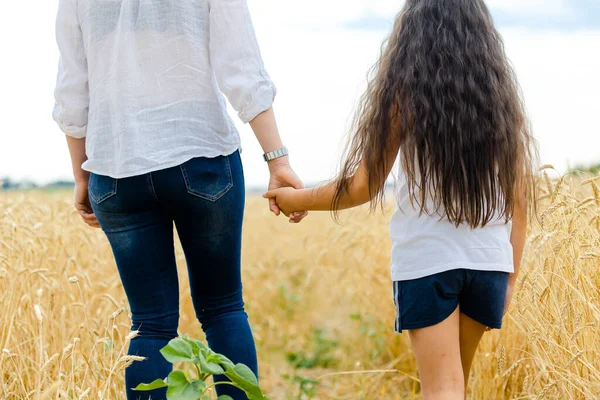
(141, 80)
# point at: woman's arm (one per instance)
(236, 60)
(81, 196)
(78, 157)
(71, 93)
(282, 174)
(72, 100)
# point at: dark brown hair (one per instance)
(445, 92)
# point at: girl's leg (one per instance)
(471, 332)
(437, 350)
(482, 305)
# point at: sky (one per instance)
(318, 54)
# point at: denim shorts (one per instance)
(430, 300)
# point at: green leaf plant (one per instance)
(207, 363)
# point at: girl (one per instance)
(445, 102)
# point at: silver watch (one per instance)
(272, 155)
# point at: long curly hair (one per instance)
(446, 94)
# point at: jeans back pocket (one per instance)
(101, 188)
(207, 178)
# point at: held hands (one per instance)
(285, 200)
(283, 179)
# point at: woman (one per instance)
(445, 101)
(138, 96)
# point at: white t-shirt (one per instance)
(142, 80)
(424, 245)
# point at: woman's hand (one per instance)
(82, 204)
(286, 200)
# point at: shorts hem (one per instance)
(491, 325)
(427, 323)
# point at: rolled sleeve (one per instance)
(72, 90)
(236, 59)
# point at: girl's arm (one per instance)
(517, 240)
(518, 235)
(321, 198)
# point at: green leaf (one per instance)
(199, 384)
(356, 317)
(225, 397)
(178, 350)
(242, 377)
(182, 389)
(220, 359)
(201, 345)
(210, 367)
(196, 350)
(198, 347)
(157, 384)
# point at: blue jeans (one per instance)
(204, 198)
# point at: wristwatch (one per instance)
(272, 155)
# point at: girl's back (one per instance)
(428, 243)
(464, 139)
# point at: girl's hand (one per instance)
(509, 296)
(285, 199)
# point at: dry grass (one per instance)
(64, 326)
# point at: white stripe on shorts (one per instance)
(397, 324)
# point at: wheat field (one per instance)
(319, 299)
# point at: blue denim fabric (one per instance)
(427, 301)
(204, 198)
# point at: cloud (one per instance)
(379, 14)
(320, 75)
(322, 13)
(319, 67)
(533, 7)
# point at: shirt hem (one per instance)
(405, 276)
(159, 167)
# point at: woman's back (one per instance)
(155, 70)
